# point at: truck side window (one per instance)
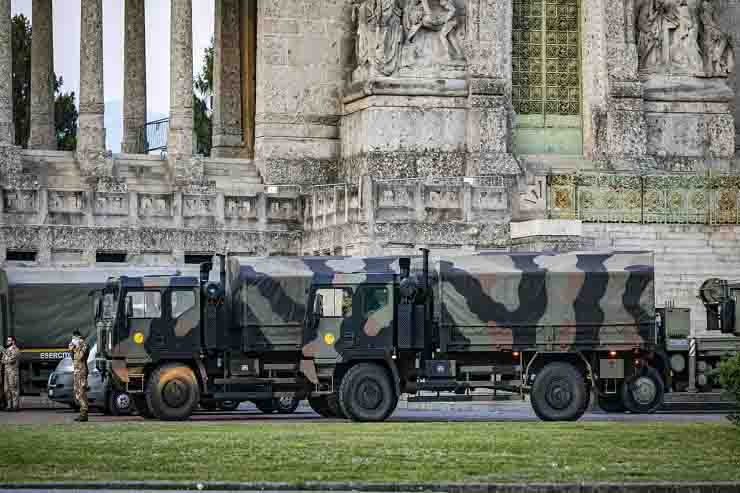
(374, 299)
(182, 301)
(334, 302)
(147, 304)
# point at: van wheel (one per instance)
(367, 394)
(173, 392)
(229, 405)
(265, 406)
(119, 403)
(559, 393)
(142, 408)
(286, 404)
(643, 393)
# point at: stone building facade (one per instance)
(348, 127)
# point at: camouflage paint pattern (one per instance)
(11, 362)
(482, 302)
(546, 302)
(79, 361)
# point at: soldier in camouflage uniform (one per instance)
(11, 361)
(80, 351)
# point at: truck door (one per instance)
(143, 325)
(373, 317)
(184, 321)
(333, 318)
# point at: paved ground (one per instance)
(512, 411)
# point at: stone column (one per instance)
(41, 132)
(227, 108)
(180, 142)
(249, 73)
(134, 77)
(489, 132)
(7, 130)
(91, 135)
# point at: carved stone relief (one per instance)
(21, 201)
(408, 38)
(155, 205)
(443, 199)
(114, 204)
(241, 207)
(282, 209)
(64, 201)
(198, 205)
(682, 37)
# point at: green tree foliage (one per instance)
(65, 112)
(202, 107)
(65, 118)
(21, 36)
(729, 375)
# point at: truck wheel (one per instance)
(141, 406)
(119, 403)
(173, 392)
(266, 406)
(286, 404)
(643, 393)
(612, 403)
(559, 393)
(367, 394)
(229, 405)
(332, 402)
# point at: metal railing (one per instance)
(153, 136)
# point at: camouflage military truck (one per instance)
(353, 334)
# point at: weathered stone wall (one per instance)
(685, 256)
(730, 19)
(304, 54)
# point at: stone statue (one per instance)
(389, 35)
(363, 15)
(418, 14)
(719, 56)
(681, 37)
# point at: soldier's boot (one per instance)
(82, 418)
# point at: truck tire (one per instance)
(142, 408)
(173, 392)
(643, 393)
(332, 402)
(559, 393)
(612, 403)
(366, 393)
(119, 403)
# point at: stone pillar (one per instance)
(180, 141)
(489, 44)
(7, 130)
(249, 73)
(227, 108)
(134, 77)
(91, 135)
(41, 132)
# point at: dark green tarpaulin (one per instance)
(45, 315)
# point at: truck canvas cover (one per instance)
(47, 305)
(269, 295)
(559, 301)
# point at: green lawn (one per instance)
(408, 452)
